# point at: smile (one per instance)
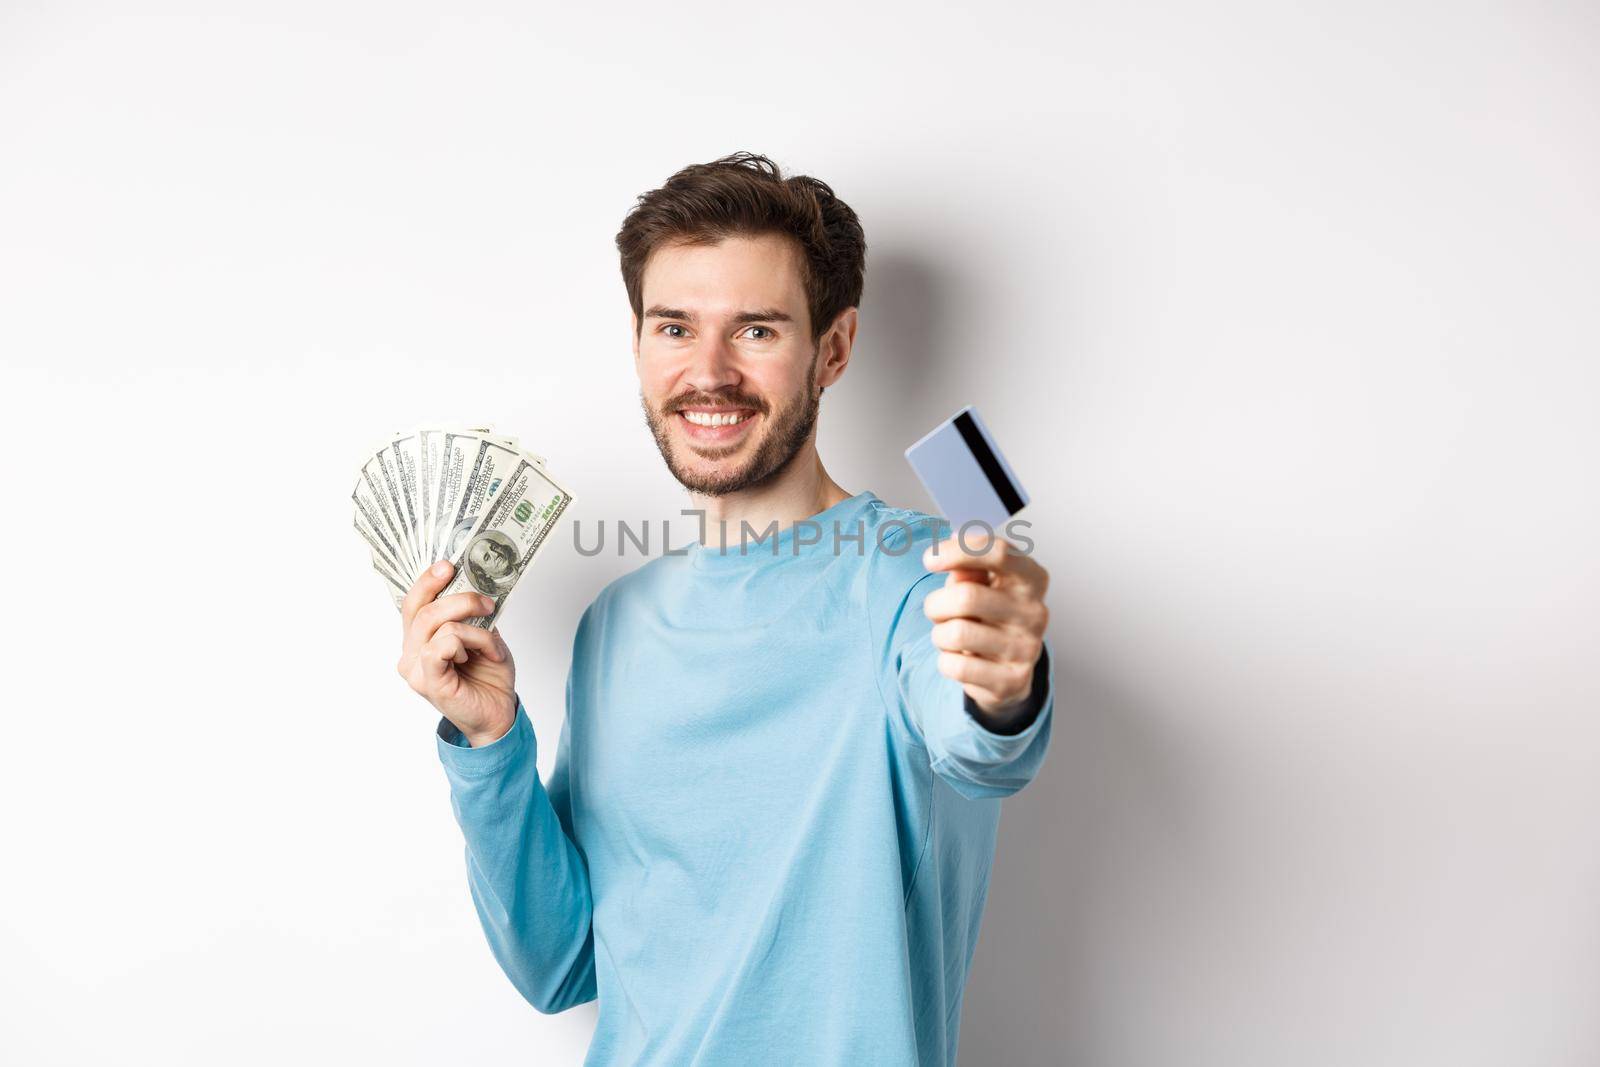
(715, 418)
(716, 425)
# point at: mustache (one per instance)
(732, 400)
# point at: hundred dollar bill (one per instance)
(429, 445)
(397, 592)
(445, 454)
(422, 494)
(372, 500)
(382, 551)
(508, 536)
(486, 473)
(387, 477)
(459, 472)
(402, 454)
(446, 457)
(384, 557)
(384, 482)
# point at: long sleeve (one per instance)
(931, 709)
(529, 881)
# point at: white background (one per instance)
(1284, 313)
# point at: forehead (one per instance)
(730, 275)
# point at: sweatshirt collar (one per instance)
(844, 520)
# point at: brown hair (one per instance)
(746, 194)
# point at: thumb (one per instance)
(427, 586)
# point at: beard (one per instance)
(786, 431)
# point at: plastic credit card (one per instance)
(962, 468)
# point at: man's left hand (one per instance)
(989, 619)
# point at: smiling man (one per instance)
(768, 832)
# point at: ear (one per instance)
(835, 348)
(633, 331)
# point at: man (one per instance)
(768, 833)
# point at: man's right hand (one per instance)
(464, 671)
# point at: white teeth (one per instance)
(706, 418)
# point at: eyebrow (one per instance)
(659, 311)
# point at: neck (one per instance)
(800, 490)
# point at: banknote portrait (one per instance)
(491, 562)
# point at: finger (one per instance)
(973, 600)
(1027, 570)
(438, 659)
(984, 697)
(981, 639)
(474, 638)
(452, 608)
(428, 585)
(981, 552)
(974, 550)
(1006, 681)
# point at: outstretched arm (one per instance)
(965, 667)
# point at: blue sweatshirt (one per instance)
(768, 832)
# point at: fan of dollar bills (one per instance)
(465, 495)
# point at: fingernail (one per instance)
(441, 568)
(487, 604)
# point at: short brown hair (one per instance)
(747, 195)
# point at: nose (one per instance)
(713, 365)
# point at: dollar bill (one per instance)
(402, 452)
(430, 461)
(428, 494)
(447, 457)
(508, 536)
(382, 550)
(373, 501)
(430, 444)
(383, 559)
(483, 475)
(397, 592)
(388, 480)
(452, 458)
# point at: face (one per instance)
(491, 557)
(728, 373)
